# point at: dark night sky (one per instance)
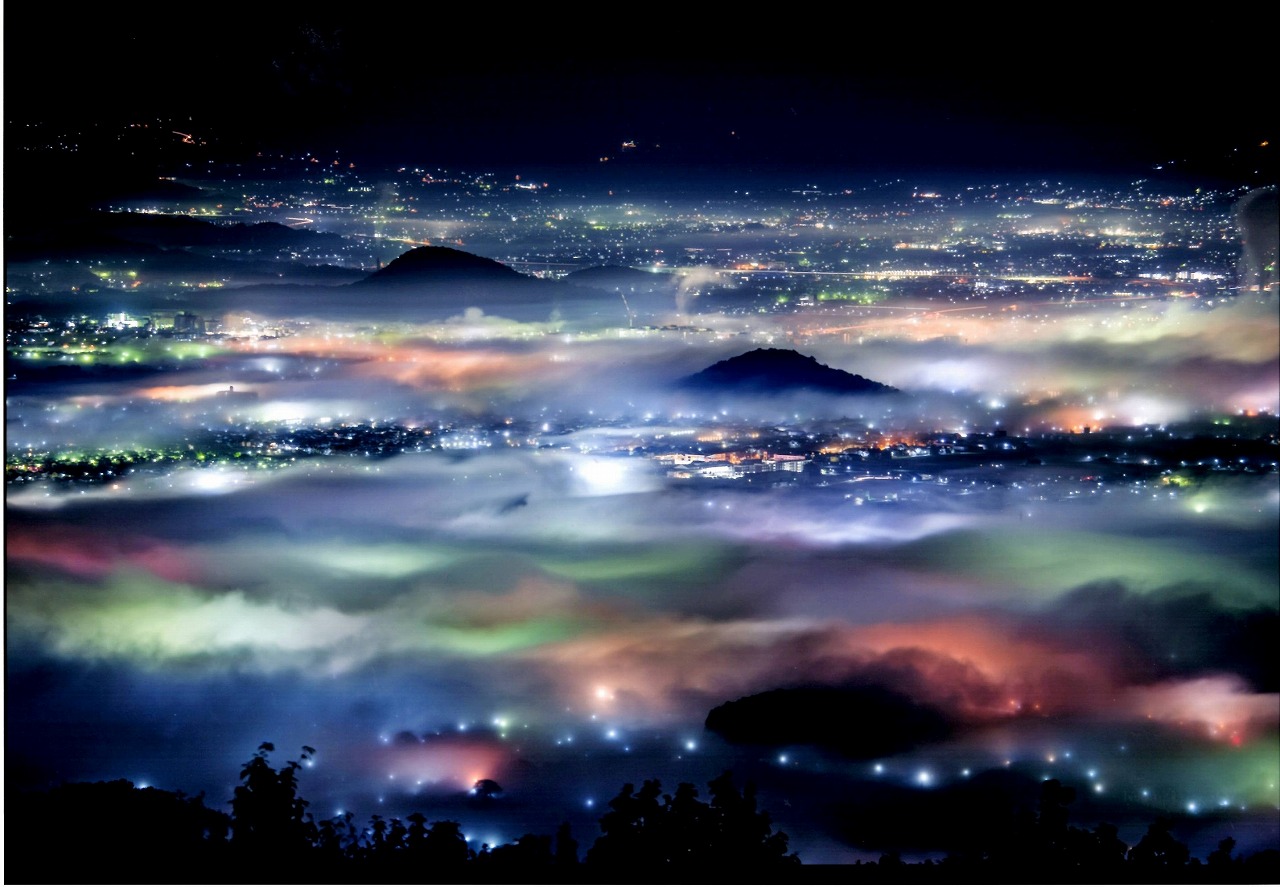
(457, 89)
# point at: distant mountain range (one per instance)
(779, 370)
(112, 235)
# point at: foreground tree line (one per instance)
(112, 832)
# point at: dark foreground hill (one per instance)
(885, 722)
(777, 371)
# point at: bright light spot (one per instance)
(879, 768)
(691, 745)
(924, 777)
(606, 476)
(782, 759)
(213, 481)
(1192, 806)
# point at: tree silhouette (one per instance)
(1105, 848)
(566, 846)
(529, 851)
(336, 839)
(641, 830)
(121, 833)
(629, 828)
(110, 831)
(1158, 847)
(266, 812)
(485, 789)
(445, 844)
(415, 841)
(1222, 856)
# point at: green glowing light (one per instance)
(1047, 566)
(670, 563)
(858, 298)
(492, 640)
(383, 561)
(183, 350)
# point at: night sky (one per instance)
(563, 621)
(1107, 94)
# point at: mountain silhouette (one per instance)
(775, 370)
(133, 236)
(434, 264)
(618, 278)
